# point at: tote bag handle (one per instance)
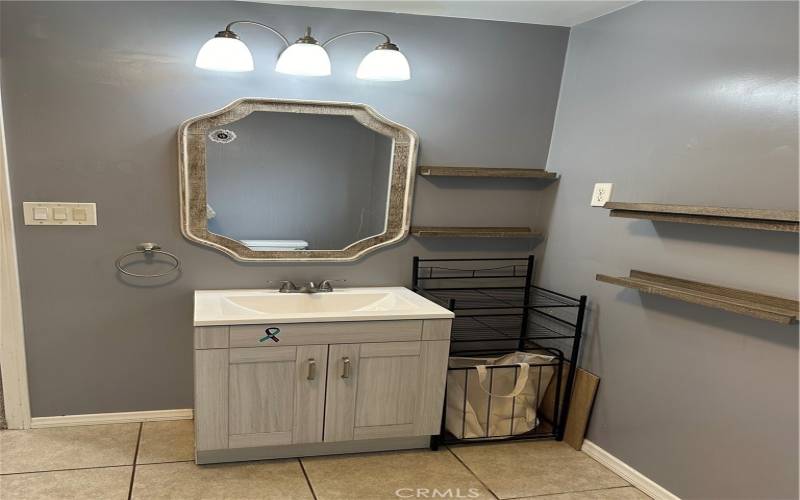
(524, 368)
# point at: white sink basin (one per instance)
(322, 302)
(232, 307)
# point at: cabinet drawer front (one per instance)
(386, 349)
(246, 355)
(326, 333)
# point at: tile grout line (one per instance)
(63, 470)
(169, 462)
(577, 491)
(611, 471)
(606, 468)
(135, 458)
(308, 480)
(472, 472)
(92, 467)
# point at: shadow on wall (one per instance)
(722, 236)
(499, 184)
(546, 202)
(730, 323)
(477, 245)
(540, 198)
(3, 423)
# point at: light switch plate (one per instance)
(59, 214)
(601, 194)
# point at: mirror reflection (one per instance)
(291, 181)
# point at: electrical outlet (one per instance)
(602, 193)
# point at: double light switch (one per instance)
(59, 214)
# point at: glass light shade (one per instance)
(304, 59)
(384, 65)
(225, 54)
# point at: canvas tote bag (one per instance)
(483, 403)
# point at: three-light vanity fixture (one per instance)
(305, 57)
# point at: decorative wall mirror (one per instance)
(269, 179)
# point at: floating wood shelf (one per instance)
(747, 218)
(474, 232)
(515, 173)
(729, 299)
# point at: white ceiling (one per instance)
(553, 12)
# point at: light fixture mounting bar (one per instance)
(260, 25)
(359, 32)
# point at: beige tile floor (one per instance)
(154, 460)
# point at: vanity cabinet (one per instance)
(317, 387)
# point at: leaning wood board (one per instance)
(744, 302)
(515, 173)
(584, 389)
(474, 232)
(745, 218)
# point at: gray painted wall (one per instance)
(299, 177)
(684, 102)
(93, 95)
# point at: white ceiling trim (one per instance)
(551, 12)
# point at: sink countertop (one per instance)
(243, 307)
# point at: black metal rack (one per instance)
(499, 310)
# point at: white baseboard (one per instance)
(110, 418)
(626, 472)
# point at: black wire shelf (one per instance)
(493, 327)
(476, 298)
(499, 310)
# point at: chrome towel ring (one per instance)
(148, 249)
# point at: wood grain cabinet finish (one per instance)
(384, 390)
(211, 399)
(346, 332)
(400, 389)
(323, 392)
(341, 392)
(276, 396)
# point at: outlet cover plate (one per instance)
(602, 193)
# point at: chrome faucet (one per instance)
(325, 286)
(310, 287)
(287, 287)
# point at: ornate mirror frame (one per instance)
(192, 177)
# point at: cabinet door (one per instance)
(387, 385)
(391, 389)
(276, 395)
(309, 405)
(340, 402)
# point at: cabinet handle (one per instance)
(312, 369)
(345, 367)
